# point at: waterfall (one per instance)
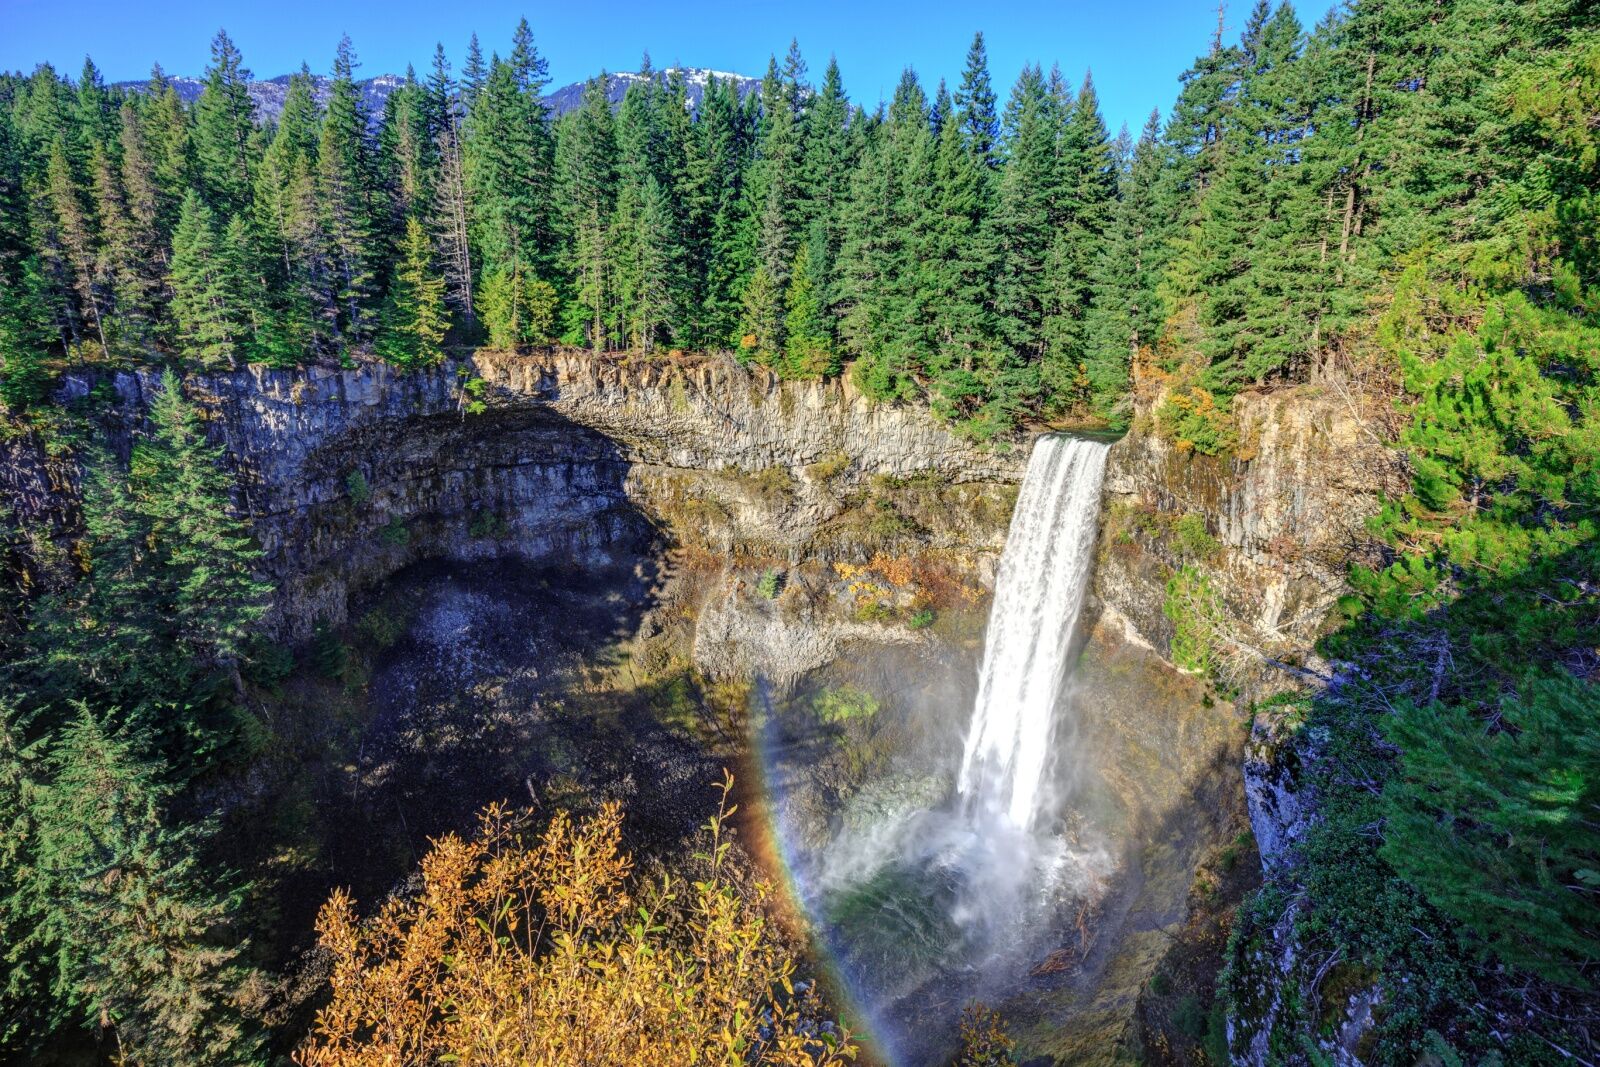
(1044, 571)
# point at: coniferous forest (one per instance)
(1400, 196)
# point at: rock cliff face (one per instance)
(349, 475)
(1285, 514)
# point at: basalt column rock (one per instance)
(349, 474)
(1287, 510)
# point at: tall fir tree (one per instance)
(508, 158)
(1086, 192)
(75, 246)
(1126, 311)
(345, 188)
(143, 948)
(210, 319)
(167, 132)
(1023, 216)
(224, 129)
(473, 74)
(587, 195)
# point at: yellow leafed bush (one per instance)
(545, 953)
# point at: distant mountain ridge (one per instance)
(268, 93)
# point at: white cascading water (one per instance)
(1044, 572)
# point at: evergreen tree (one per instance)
(1248, 262)
(509, 159)
(808, 350)
(95, 116)
(406, 146)
(1086, 191)
(1126, 311)
(345, 181)
(762, 320)
(975, 107)
(518, 307)
(588, 162)
(959, 261)
(648, 257)
(130, 256)
(116, 899)
(778, 174)
(473, 74)
(724, 143)
(224, 128)
(207, 555)
(1488, 822)
(1194, 135)
(439, 95)
(75, 245)
(1023, 216)
(167, 132)
(826, 181)
(210, 318)
(451, 223)
(25, 334)
(290, 157)
(415, 321)
(148, 209)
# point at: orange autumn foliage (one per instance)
(546, 954)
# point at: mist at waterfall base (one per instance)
(944, 882)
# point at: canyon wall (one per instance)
(350, 474)
(1284, 514)
(1272, 528)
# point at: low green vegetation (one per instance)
(1193, 608)
(843, 705)
(1191, 539)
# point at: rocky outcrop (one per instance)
(349, 474)
(1284, 515)
(38, 510)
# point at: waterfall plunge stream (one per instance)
(1049, 557)
(946, 874)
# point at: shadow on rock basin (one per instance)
(488, 695)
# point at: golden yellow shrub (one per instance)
(546, 954)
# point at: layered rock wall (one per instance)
(1286, 513)
(349, 474)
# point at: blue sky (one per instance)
(1136, 48)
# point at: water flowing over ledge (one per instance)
(1048, 561)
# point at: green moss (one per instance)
(844, 704)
